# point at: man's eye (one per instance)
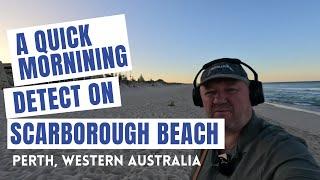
(210, 93)
(232, 90)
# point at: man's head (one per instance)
(224, 91)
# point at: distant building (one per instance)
(6, 77)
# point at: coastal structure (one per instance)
(6, 78)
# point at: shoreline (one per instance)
(293, 108)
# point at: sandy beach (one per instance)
(172, 101)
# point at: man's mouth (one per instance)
(221, 113)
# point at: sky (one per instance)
(172, 39)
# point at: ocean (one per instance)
(302, 95)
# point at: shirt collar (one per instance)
(249, 132)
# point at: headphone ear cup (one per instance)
(256, 92)
(197, 97)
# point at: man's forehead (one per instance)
(221, 81)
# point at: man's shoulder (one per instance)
(274, 139)
(281, 154)
(278, 146)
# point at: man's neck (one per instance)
(231, 140)
(232, 137)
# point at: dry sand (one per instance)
(147, 102)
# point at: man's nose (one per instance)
(219, 98)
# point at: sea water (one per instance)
(303, 95)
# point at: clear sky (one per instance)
(172, 39)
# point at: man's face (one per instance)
(228, 99)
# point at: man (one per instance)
(254, 149)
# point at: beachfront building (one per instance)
(6, 78)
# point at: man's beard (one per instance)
(225, 111)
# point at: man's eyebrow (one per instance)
(209, 90)
(208, 86)
(231, 82)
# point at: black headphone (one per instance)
(255, 86)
